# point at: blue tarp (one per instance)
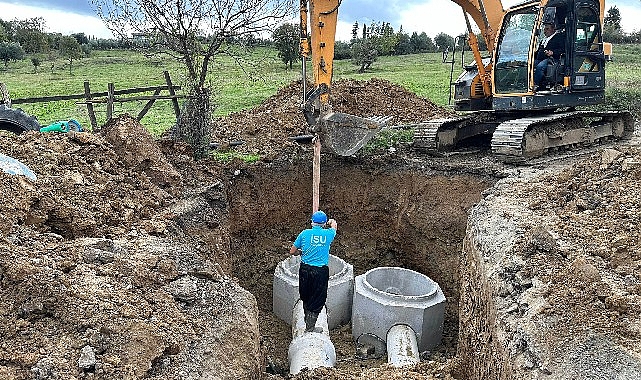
(12, 166)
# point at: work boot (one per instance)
(310, 320)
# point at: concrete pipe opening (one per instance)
(339, 290)
(387, 296)
(309, 349)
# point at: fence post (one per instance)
(92, 114)
(174, 100)
(110, 101)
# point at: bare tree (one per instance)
(194, 32)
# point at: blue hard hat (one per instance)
(319, 217)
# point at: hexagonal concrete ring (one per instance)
(340, 290)
(387, 296)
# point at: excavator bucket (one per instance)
(345, 134)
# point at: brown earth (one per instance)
(125, 259)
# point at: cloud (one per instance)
(630, 16)
(58, 21)
(433, 17)
(440, 16)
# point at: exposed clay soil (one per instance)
(127, 246)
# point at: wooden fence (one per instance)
(109, 98)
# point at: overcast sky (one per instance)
(430, 16)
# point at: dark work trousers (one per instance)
(312, 286)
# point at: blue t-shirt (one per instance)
(315, 242)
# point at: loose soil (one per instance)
(127, 259)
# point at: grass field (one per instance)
(240, 87)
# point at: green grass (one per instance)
(242, 87)
(622, 80)
(231, 155)
(423, 74)
(237, 87)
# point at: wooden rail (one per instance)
(109, 97)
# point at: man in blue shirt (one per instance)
(313, 274)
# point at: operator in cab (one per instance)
(551, 47)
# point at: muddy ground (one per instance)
(127, 259)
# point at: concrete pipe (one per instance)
(402, 347)
(340, 290)
(388, 296)
(309, 349)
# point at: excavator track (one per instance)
(426, 133)
(528, 137)
(446, 134)
(516, 140)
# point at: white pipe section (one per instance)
(309, 349)
(402, 347)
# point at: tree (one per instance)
(403, 45)
(342, 50)
(194, 32)
(30, 34)
(10, 51)
(613, 18)
(444, 41)
(81, 38)
(4, 36)
(6, 28)
(355, 31)
(383, 37)
(286, 41)
(70, 49)
(35, 61)
(364, 53)
(421, 43)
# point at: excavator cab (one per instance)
(576, 78)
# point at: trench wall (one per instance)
(389, 214)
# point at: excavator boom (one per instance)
(339, 133)
(487, 14)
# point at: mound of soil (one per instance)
(265, 129)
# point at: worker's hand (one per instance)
(332, 223)
(548, 53)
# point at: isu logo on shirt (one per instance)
(319, 239)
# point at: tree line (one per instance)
(369, 42)
(20, 39)
(612, 31)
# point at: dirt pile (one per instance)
(265, 129)
(560, 260)
(109, 264)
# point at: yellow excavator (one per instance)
(497, 95)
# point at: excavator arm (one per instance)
(339, 133)
(487, 14)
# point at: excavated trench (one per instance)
(390, 213)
